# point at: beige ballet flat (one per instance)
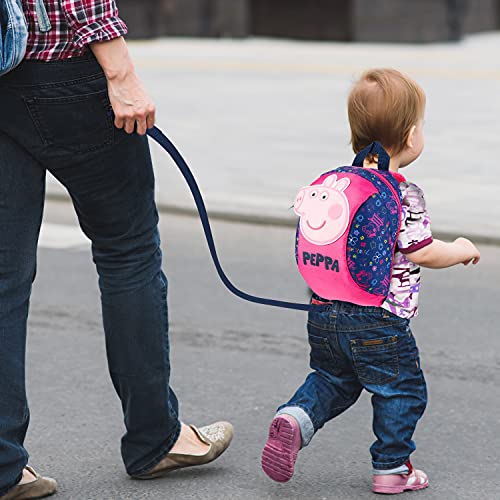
(41, 487)
(218, 436)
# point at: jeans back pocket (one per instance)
(322, 356)
(73, 124)
(376, 360)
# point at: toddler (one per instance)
(357, 347)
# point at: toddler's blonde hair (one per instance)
(384, 104)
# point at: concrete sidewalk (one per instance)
(258, 119)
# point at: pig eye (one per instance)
(313, 194)
(324, 196)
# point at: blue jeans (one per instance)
(56, 116)
(355, 348)
(13, 34)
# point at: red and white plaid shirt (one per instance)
(75, 24)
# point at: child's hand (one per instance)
(470, 251)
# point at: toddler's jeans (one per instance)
(355, 348)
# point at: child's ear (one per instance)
(409, 140)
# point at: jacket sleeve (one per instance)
(93, 20)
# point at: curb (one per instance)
(261, 220)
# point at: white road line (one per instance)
(62, 236)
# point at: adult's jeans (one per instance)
(355, 348)
(56, 116)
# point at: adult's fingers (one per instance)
(119, 122)
(141, 126)
(136, 122)
(130, 125)
(151, 119)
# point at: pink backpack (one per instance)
(348, 230)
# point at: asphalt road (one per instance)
(238, 361)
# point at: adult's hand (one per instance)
(133, 108)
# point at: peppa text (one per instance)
(316, 259)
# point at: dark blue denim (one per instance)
(355, 348)
(56, 117)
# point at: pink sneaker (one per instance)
(392, 484)
(282, 447)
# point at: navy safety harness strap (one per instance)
(156, 134)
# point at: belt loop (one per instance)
(42, 16)
(334, 308)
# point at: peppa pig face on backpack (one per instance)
(323, 210)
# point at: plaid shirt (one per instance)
(75, 24)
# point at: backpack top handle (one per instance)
(375, 148)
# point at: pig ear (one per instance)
(342, 184)
(330, 180)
